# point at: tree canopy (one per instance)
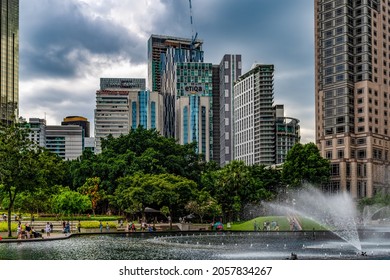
(24, 167)
(304, 164)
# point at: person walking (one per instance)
(101, 227)
(47, 229)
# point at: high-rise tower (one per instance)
(9, 61)
(254, 118)
(157, 48)
(352, 95)
(229, 71)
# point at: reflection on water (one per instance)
(197, 246)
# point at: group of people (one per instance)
(267, 226)
(66, 227)
(27, 231)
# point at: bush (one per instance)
(4, 227)
(78, 218)
(96, 224)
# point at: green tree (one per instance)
(204, 204)
(156, 191)
(232, 180)
(21, 166)
(304, 164)
(70, 202)
(92, 190)
(140, 151)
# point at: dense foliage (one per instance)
(143, 170)
(304, 164)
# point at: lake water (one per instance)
(199, 246)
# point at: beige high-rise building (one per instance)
(352, 99)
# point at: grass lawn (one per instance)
(281, 220)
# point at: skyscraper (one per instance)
(352, 95)
(254, 120)
(229, 71)
(157, 48)
(9, 60)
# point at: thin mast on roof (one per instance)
(193, 38)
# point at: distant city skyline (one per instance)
(67, 46)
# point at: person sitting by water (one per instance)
(35, 234)
(293, 256)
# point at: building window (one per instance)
(194, 111)
(361, 154)
(226, 93)
(204, 130)
(226, 107)
(153, 115)
(335, 169)
(185, 125)
(226, 79)
(143, 98)
(134, 115)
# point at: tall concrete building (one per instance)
(254, 120)
(216, 116)
(352, 93)
(37, 132)
(229, 71)
(65, 140)
(9, 61)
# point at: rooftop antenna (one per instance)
(193, 37)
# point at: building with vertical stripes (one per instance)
(9, 61)
(254, 120)
(352, 93)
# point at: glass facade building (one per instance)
(119, 110)
(9, 61)
(157, 49)
(194, 116)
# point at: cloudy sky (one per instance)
(66, 46)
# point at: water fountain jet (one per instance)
(336, 213)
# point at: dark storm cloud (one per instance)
(59, 38)
(60, 103)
